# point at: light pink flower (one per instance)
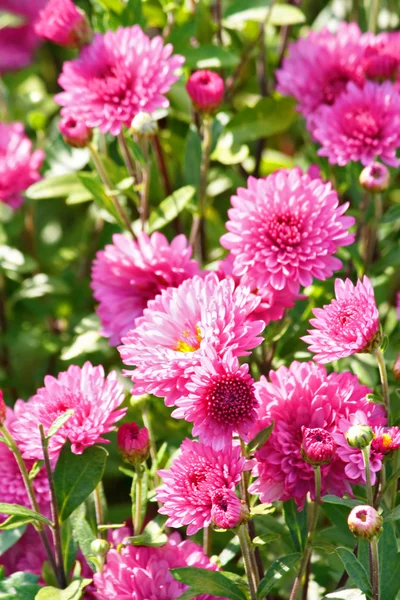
(194, 476)
(304, 395)
(220, 400)
(227, 510)
(365, 522)
(19, 164)
(206, 89)
(120, 74)
(179, 324)
(318, 67)
(63, 23)
(140, 572)
(127, 274)
(284, 230)
(349, 324)
(362, 125)
(94, 399)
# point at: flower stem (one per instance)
(144, 196)
(207, 540)
(245, 545)
(374, 567)
(136, 495)
(153, 448)
(98, 506)
(373, 15)
(126, 155)
(384, 379)
(366, 454)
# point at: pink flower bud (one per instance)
(380, 67)
(75, 133)
(64, 24)
(396, 368)
(3, 409)
(317, 447)
(133, 443)
(375, 178)
(365, 522)
(206, 90)
(227, 510)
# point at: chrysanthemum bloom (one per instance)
(19, 165)
(386, 439)
(179, 324)
(285, 229)
(206, 90)
(227, 510)
(120, 74)
(317, 446)
(362, 125)
(304, 395)
(26, 555)
(74, 133)
(220, 400)
(139, 572)
(349, 324)
(127, 274)
(365, 522)
(63, 23)
(3, 408)
(375, 178)
(194, 476)
(318, 67)
(94, 399)
(133, 443)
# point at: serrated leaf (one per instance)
(261, 438)
(170, 208)
(278, 568)
(22, 511)
(354, 569)
(214, 582)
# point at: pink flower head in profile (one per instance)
(362, 125)
(133, 443)
(63, 23)
(220, 400)
(381, 58)
(305, 396)
(94, 399)
(120, 74)
(318, 67)
(375, 177)
(194, 476)
(206, 89)
(19, 164)
(127, 274)
(284, 230)
(75, 133)
(179, 324)
(349, 324)
(386, 439)
(140, 572)
(227, 510)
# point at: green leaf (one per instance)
(10, 19)
(76, 476)
(102, 199)
(192, 158)
(22, 511)
(330, 499)
(59, 422)
(170, 208)
(214, 582)
(69, 545)
(297, 524)
(267, 538)
(9, 538)
(209, 57)
(389, 563)
(393, 515)
(72, 592)
(19, 586)
(40, 285)
(278, 568)
(132, 13)
(58, 186)
(230, 551)
(354, 569)
(15, 522)
(152, 535)
(286, 14)
(258, 10)
(260, 439)
(115, 6)
(11, 259)
(83, 534)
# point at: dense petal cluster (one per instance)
(127, 274)
(63, 23)
(94, 400)
(19, 164)
(189, 485)
(179, 324)
(349, 324)
(120, 74)
(227, 510)
(304, 395)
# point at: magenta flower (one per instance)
(75, 134)
(133, 443)
(304, 395)
(227, 510)
(386, 439)
(318, 67)
(63, 23)
(284, 230)
(94, 398)
(19, 165)
(375, 177)
(139, 572)
(127, 274)
(381, 58)
(179, 324)
(220, 400)
(120, 74)
(194, 476)
(362, 125)
(206, 90)
(349, 324)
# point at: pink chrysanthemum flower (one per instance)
(318, 68)
(220, 400)
(362, 125)
(227, 510)
(120, 74)
(63, 23)
(142, 572)
(127, 274)
(26, 555)
(349, 324)
(304, 395)
(179, 324)
(285, 229)
(386, 439)
(94, 399)
(206, 89)
(194, 476)
(19, 165)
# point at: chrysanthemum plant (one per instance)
(199, 269)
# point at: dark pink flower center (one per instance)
(114, 84)
(230, 399)
(285, 229)
(362, 515)
(335, 85)
(196, 476)
(361, 124)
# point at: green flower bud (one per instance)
(100, 547)
(359, 436)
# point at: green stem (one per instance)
(137, 509)
(153, 447)
(366, 454)
(245, 545)
(144, 196)
(384, 379)
(207, 540)
(396, 461)
(374, 567)
(98, 506)
(373, 15)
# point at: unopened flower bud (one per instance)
(100, 547)
(380, 67)
(317, 446)
(133, 443)
(396, 368)
(359, 436)
(227, 509)
(75, 133)
(64, 24)
(143, 124)
(206, 89)
(375, 178)
(3, 409)
(365, 522)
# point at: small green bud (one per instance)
(359, 436)
(100, 547)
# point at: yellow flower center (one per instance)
(386, 440)
(190, 342)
